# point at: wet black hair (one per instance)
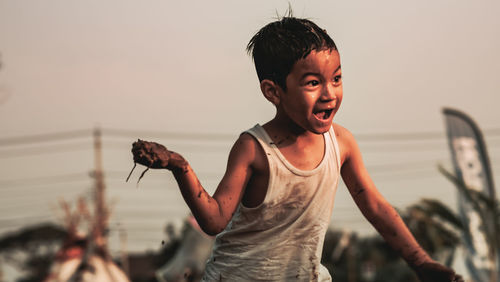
(277, 46)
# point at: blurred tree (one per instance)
(31, 250)
(436, 228)
(370, 259)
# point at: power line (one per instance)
(413, 136)
(414, 170)
(214, 148)
(48, 137)
(113, 132)
(406, 136)
(401, 147)
(4, 222)
(59, 148)
(405, 166)
(409, 178)
(403, 136)
(217, 147)
(169, 135)
(55, 179)
(390, 168)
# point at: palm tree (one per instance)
(436, 228)
(370, 259)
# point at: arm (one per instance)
(382, 215)
(212, 212)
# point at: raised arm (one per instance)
(212, 212)
(382, 215)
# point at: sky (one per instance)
(177, 72)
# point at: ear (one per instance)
(271, 91)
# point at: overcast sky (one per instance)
(181, 67)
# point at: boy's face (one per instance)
(314, 91)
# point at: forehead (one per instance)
(325, 61)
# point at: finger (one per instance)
(140, 177)
(134, 149)
(151, 146)
(140, 143)
(143, 159)
(138, 158)
(137, 147)
(137, 150)
(128, 177)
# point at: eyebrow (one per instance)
(308, 73)
(315, 73)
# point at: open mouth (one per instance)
(323, 114)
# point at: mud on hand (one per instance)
(149, 154)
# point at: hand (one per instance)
(435, 272)
(154, 155)
(150, 154)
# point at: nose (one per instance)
(329, 93)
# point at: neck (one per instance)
(284, 131)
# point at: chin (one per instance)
(321, 130)
(324, 131)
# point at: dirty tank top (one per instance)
(282, 238)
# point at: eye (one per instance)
(337, 79)
(312, 82)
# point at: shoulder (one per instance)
(341, 132)
(244, 145)
(247, 149)
(345, 139)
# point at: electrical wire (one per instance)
(114, 132)
(417, 169)
(170, 135)
(44, 180)
(51, 149)
(47, 137)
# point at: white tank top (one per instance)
(282, 238)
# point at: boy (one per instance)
(273, 206)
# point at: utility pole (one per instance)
(97, 243)
(101, 210)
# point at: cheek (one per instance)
(301, 103)
(340, 95)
